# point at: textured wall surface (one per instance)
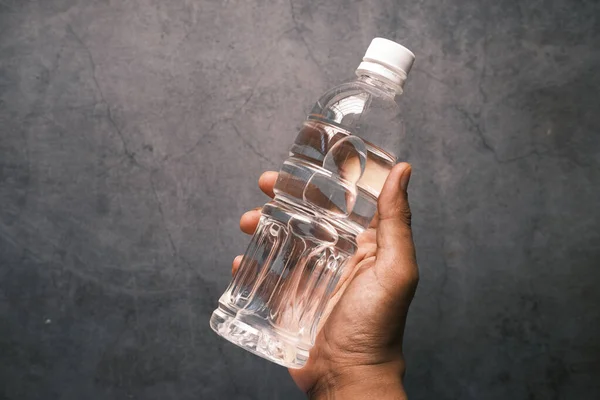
(132, 134)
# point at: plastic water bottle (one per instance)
(325, 195)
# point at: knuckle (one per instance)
(406, 216)
(409, 280)
(413, 278)
(400, 213)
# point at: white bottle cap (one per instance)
(387, 59)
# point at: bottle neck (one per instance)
(381, 76)
(388, 88)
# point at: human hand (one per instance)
(358, 350)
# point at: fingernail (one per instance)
(405, 178)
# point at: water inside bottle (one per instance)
(326, 194)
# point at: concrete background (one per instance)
(132, 134)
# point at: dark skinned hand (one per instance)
(358, 350)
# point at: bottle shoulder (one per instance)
(359, 108)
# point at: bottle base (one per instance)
(265, 342)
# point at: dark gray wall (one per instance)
(132, 134)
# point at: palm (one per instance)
(358, 316)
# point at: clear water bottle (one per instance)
(326, 194)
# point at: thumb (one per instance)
(396, 260)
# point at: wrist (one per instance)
(381, 381)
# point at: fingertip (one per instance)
(236, 264)
(249, 221)
(400, 174)
(266, 182)
(268, 175)
(405, 176)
